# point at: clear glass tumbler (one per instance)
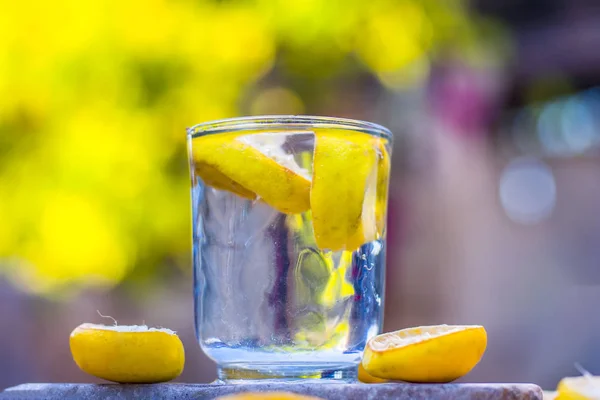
(288, 243)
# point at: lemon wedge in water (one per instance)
(383, 177)
(253, 165)
(434, 354)
(213, 177)
(347, 191)
(343, 192)
(127, 354)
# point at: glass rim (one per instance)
(289, 121)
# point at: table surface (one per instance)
(330, 391)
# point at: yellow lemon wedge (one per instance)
(435, 354)
(344, 186)
(213, 177)
(365, 377)
(127, 354)
(585, 387)
(383, 177)
(267, 396)
(253, 165)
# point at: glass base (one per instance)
(292, 372)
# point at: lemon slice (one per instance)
(585, 387)
(434, 354)
(267, 396)
(127, 354)
(365, 377)
(253, 165)
(343, 192)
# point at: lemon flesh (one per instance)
(343, 192)
(267, 396)
(253, 165)
(435, 354)
(579, 388)
(127, 354)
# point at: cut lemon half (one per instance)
(267, 396)
(343, 192)
(585, 387)
(433, 354)
(365, 377)
(253, 165)
(127, 354)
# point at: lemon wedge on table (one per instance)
(127, 354)
(268, 396)
(585, 387)
(253, 165)
(436, 354)
(365, 377)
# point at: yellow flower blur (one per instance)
(95, 98)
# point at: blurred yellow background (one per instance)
(494, 191)
(96, 98)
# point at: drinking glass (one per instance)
(288, 243)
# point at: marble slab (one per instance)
(330, 391)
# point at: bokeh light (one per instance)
(527, 190)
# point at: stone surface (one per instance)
(331, 391)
